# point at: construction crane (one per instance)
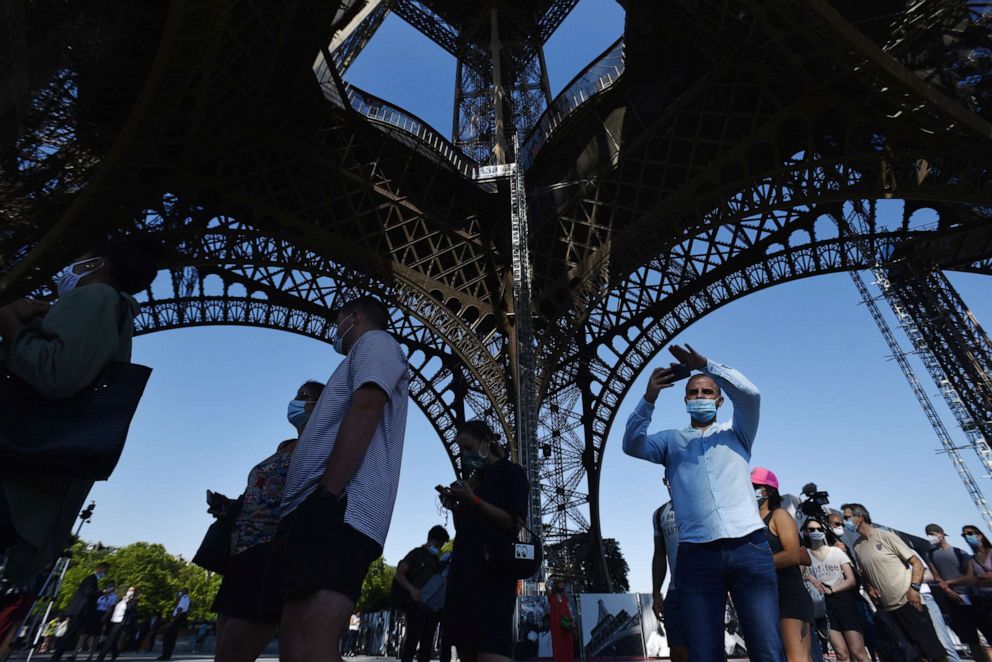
(920, 347)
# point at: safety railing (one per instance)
(598, 77)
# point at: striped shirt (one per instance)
(375, 358)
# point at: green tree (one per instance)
(157, 575)
(575, 559)
(376, 587)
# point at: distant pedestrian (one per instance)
(180, 616)
(81, 611)
(413, 572)
(562, 622)
(893, 575)
(202, 631)
(982, 562)
(954, 574)
(123, 621)
(341, 485)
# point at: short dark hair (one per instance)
(699, 376)
(104, 565)
(857, 509)
(369, 307)
(133, 261)
(313, 387)
(480, 430)
(438, 532)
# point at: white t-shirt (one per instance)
(665, 525)
(376, 358)
(119, 609)
(829, 571)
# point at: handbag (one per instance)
(516, 560)
(567, 624)
(81, 436)
(215, 549)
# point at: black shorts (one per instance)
(316, 550)
(251, 590)
(918, 628)
(844, 612)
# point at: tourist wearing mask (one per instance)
(249, 601)
(123, 621)
(832, 574)
(982, 562)
(722, 544)
(81, 610)
(58, 350)
(418, 566)
(795, 607)
(489, 507)
(954, 574)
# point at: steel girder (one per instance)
(700, 176)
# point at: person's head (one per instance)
(128, 264)
(436, 538)
(836, 523)
(702, 399)
(299, 409)
(109, 588)
(183, 591)
(814, 535)
(975, 538)
(477, 444)
(131, 591)
(765, 485)
(355, 318)
(855, 515)
(935, 535)
(101, 570)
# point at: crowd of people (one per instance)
(833, 581)
(315, 514)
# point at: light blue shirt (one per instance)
(708, 470)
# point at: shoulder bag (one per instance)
(518, 559)
(81, 436)
(215, 549)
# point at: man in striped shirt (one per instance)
(341, 485)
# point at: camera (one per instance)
(814, 503)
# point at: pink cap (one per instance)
(762, 476)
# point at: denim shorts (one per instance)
(674, 629)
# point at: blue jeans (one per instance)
(743, 566)
(940, 626)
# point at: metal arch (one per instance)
(428, 390)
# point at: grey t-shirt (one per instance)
(949, 565)
(378, 359)
(665, 525)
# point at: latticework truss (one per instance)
(705, 156)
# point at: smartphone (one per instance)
(681, 371)
(442, 490)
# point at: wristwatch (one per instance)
(916, 587)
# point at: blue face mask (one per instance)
(702, 410)
(850, 526)
(433, 549)
(297, 413)
(973, 541)
(339, 337)
(759, 494)
(67, 279)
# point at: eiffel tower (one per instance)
(542, 256)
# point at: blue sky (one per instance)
(835, 410)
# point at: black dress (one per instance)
(478, 609)
(793, 598)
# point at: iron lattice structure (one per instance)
(704, 156)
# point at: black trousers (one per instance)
(68, 640)
(170, 634)
(918, 628)
(112, 644)
(420, 627)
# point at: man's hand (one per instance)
(658, 606)
(462, 491)
(661, 378)
(27, 310)
(874, 594)
(915, 599)
(954, 595)
(688, 357)
(415, 595)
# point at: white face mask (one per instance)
(68, 279)
(934, 539)
(838, 530)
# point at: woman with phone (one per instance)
(832, 574)
(489, 507)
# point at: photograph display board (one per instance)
(653, 631)
(611, 625)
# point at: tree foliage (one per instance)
(156, 574)
(576, 560)
(376, 587)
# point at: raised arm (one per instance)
(636, 440)
(744, 395)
